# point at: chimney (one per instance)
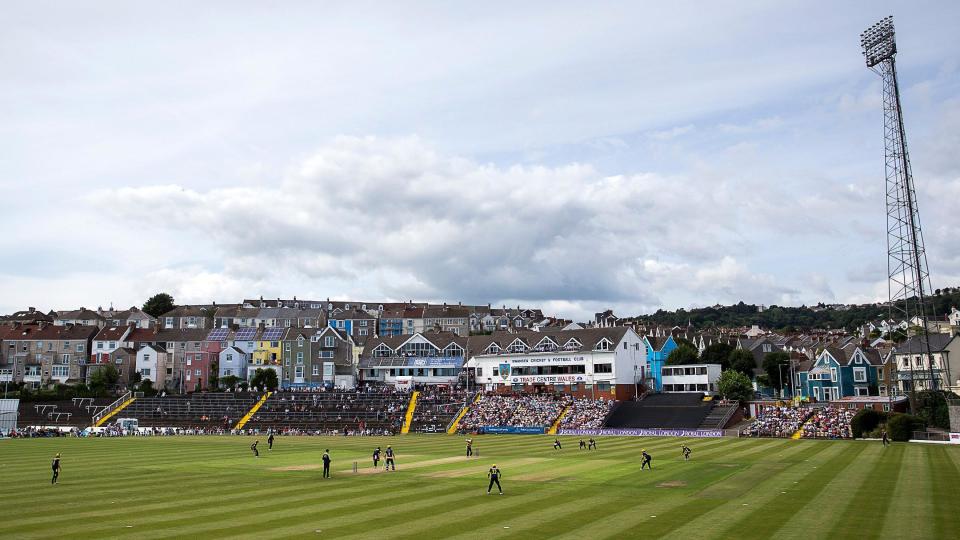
(31, 309)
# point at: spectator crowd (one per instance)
(829, 423)
(539, 410)
(777, 421)
(587, 414)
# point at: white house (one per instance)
(233, 362)
(691, 378)
(608, 362)
(434, 358)
(152, 364)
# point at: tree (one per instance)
(146, 386)
(865, 421)
(900, 427)
(158, 304)
(104, 379)
(230, 381)
(265, 378)
(742, 361)
(682, 355)
(932, 407)
(777, 366)
(735, 386)
(717, 353)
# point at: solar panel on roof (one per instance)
(272, 334)
(246, 333)
(218, 334)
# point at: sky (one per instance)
(569, 156)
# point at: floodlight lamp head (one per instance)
(879, 42)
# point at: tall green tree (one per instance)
(735, 386)
(742, 360)
(158, 304)
(104, 379)
(778, 376)
(682, 355)
(265, 378)
(717, 353)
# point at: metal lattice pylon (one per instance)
(908, 274)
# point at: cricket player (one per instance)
(494, 474)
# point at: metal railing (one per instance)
(112, 407)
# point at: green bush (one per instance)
(900, 427)
(865, 421)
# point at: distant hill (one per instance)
(793, 318)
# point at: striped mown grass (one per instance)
(212, 487)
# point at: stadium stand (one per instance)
(669, 411)
(829, 423)
(587, 414)
(539, 410)
(357, 412)
(436, 408)
(77, 412)
(777, 421)
(203, 410)
(721, 415)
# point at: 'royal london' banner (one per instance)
(645, 432)
(513, 430)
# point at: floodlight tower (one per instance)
(908, 274)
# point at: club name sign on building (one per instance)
(506, 373)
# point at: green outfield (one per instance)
(213, 487)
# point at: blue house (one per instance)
(658, 349)
(838, 373)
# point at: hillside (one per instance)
(792, 318)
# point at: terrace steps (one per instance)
(114, 412)
(408, 418)
(556, 424)
(456, 421)
(253, 410)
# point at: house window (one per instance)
(61, 371)
(833, 374)
(197, 372)
(189, 360)
(286, 346)
(886, 407)
(496, 372)
(99, 344)
(362, 331)
(860, 391)
(340, 324)
(328, 341)
(316, 370)
(299, 358)
(479, 372)
(603, 368)
(603, 345)
(860, 374)
(229, 358)
(169, 322)
(65, 359)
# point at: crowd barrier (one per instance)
(644, 432)
(516, 430)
